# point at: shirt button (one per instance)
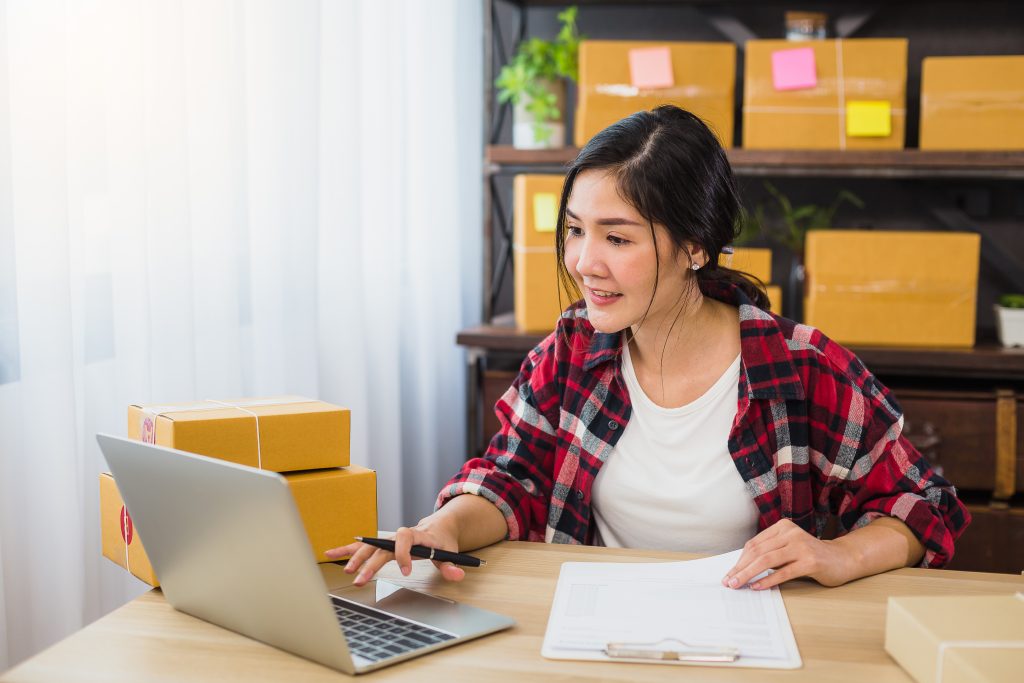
(613, 425)
(579, 493)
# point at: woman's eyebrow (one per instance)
(605, 221)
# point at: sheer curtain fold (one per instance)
(203, 199)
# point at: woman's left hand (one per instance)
(791, 552)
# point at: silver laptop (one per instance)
(229, 547)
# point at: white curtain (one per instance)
(206, 198)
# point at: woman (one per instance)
(670, 410)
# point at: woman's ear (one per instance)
(692, 256)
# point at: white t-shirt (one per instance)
(670, 483)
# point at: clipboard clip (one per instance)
(671, 649)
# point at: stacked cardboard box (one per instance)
(307, 441)
(756, 262)
(972, 103)
(535, 275)
(892, 288)
(825, 94)
(621, 77)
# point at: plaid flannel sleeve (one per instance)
(880, 473)
(516, 471)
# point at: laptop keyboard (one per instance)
(376, 635)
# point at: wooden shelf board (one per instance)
(890, 164)
(981, 362)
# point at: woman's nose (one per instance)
(589, 260)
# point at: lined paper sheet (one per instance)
(601, 602)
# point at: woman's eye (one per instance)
(617, 241)
(575, 231)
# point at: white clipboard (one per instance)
(667, 613)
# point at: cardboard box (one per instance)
(118, 539)
(889, 288)
(702, 81)
(291, 433)
(751, 260)
(972, 103)
(535, 276)
(756, 261)
(865, 75)
(775, 299)
(916, 628)
(335, 505)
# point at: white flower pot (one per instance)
(524, 132)
(1010, 325)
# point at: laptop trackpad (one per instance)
(403, 602)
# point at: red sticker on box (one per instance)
(127, 528)
(148, 431)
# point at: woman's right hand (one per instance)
(432, 533)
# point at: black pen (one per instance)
(425, 552)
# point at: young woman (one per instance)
(670, 410)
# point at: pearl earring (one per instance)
(696, 266)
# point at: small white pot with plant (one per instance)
(534, 82)
(1010, 319)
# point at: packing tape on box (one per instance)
(840, 92)
(520, 249)
(126, 535)
(676, 92)
(153, 412)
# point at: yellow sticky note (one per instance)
(545, 211)
(868, 119)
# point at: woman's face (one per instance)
(610, 252)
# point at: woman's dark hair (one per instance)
(672, 169)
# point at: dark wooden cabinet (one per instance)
(958, 433)
(994, 541)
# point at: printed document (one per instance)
(597, 603)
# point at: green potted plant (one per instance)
(786, 225)
(534, 82)
(1010, 319)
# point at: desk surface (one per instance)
(839, 630)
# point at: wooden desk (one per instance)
(839, 631)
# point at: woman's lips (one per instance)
(602, 297)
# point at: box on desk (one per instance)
(535, 276)
(825, 94)
(118, 539)
(335, 505)
(972, 103)
(956, 639)
(891, 288)
(281, 434)
(620, 77)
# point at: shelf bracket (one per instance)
(849, 23)
(505, 249)
(729, 26)
(1007, 268)
(503, 56)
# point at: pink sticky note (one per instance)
(651, 67)
(794, 69)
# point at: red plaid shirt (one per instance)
(815, 434)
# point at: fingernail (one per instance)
(733, 582)
(406, 570)
(361, 578)
(756, 586)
